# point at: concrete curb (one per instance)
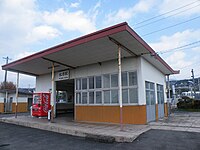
(74, 132)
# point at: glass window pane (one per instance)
(124, 79)
(147, 85)
(84, 97)
(78, 98)
(152, 97)
(125, 96)
(152, 86)
(106, 97)
(133, 95)
(91, 82)
(98, 97)
(132, 78)
(114, 80)
(114, 96)
(91, 97)
(78, 84)
(84, 83)
(148, 97)
(98, 81)
(106, 81)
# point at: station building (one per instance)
(110, 76)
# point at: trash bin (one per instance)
(49, 115)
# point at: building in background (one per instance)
(7, 101)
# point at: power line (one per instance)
(195, 63)
(152, 22)
(181, 47)
(171, 26)
(166, 12)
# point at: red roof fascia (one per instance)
(75, 42)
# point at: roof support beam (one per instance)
(122, 46)
(59, 63)
(23, 72)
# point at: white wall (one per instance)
(151, 74)
(145, 72)
(104, 68)
(43, 83)
(21, 99)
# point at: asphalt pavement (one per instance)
(13, 137)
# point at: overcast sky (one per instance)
(29, 26)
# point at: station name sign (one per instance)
(63, 75)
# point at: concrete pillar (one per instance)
(120, 87)
(17, 92)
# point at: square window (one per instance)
(152, 86)
(106, 97)
(91, 82)
(78, 98)
(114, 80)
(98, 81)
(91, 97)
(84, 83)
(132, 78)
(133, 95)
(84, 97)
(78, 84)
(106, 81)
(124, 79)
(114, 96)
(98, 97)
(125, 96)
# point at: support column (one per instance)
(168, 100)
(52, 94)
(120, 86)
(17, 92)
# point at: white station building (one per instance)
(111, 75)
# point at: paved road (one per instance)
(14, 137)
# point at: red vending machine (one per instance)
(41, 104)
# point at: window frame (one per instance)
(110, 88)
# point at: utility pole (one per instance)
(192, 71)
(5, 81)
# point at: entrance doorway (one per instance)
(65, 99)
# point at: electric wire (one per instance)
(152, 22)
(167, 12)
(168, 27)
(181, 47)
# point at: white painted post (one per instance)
(52, 94)
(17, 88)
(120, 86)
(168, 101)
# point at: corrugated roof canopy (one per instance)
(96, 47)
